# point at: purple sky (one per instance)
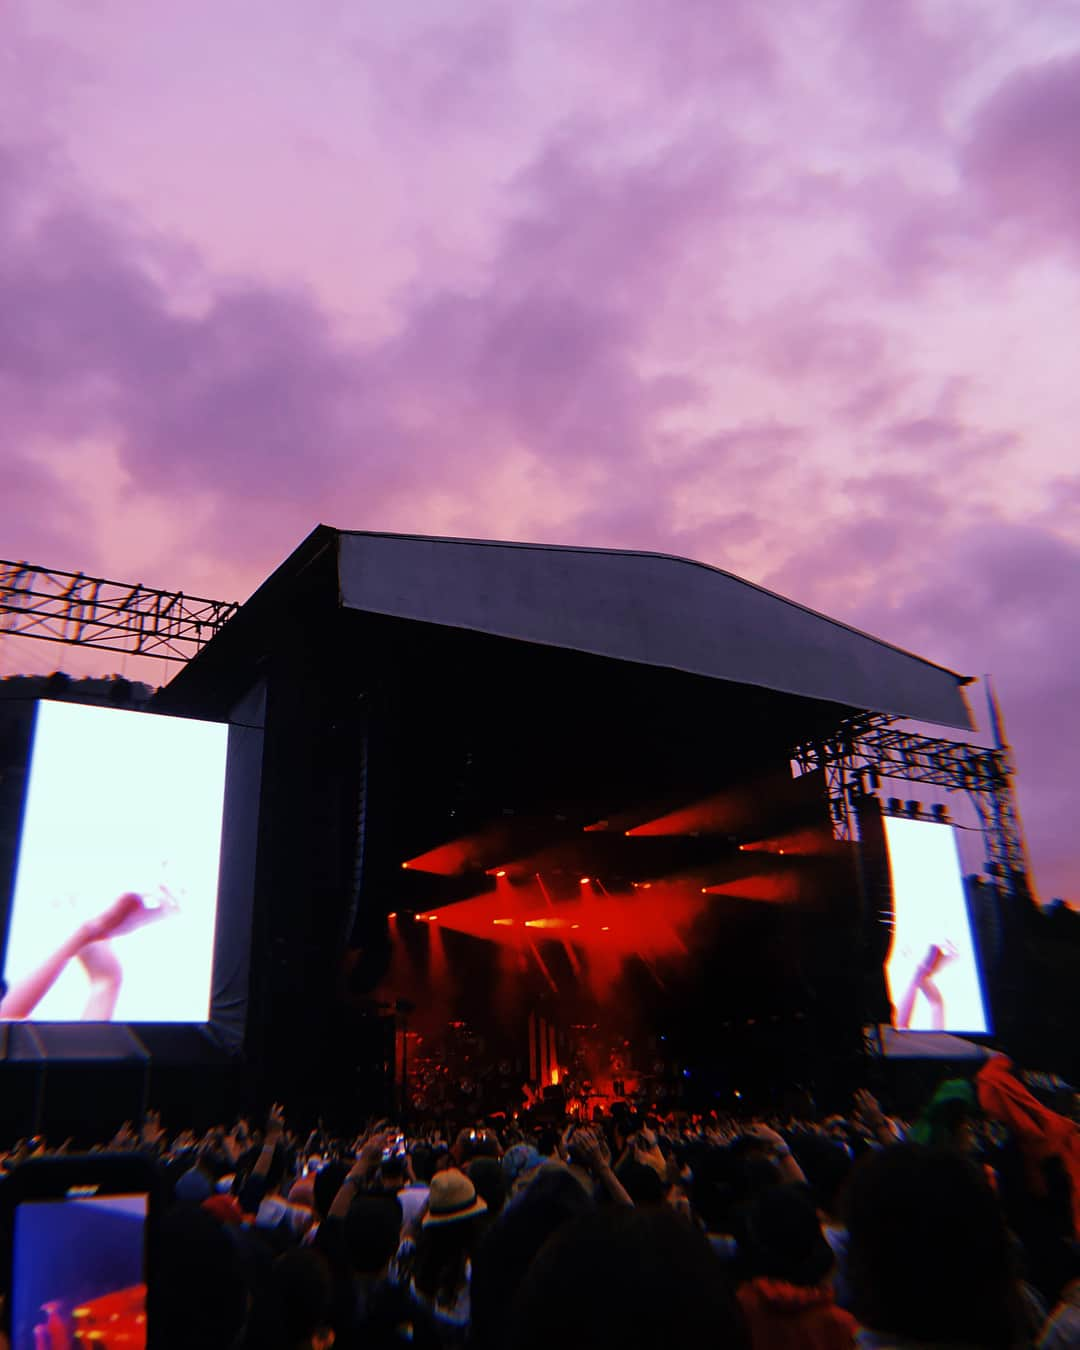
(793, 289)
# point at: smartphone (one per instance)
(395, 1149)
(80, 1232)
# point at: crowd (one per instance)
(957, 1229)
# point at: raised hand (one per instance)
(124, 1136)
(593, 1150)
(152, 1130)
(275, 1124)
(867, 1108)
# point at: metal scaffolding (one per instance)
(869, 746)
(72, 608)
(111, 616)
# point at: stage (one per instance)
(505, 781)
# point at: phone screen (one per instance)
(396, 1149)
(79, 1275)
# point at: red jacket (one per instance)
(1040, 1132)
(783, 1316)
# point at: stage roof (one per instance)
(648, 608)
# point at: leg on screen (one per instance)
(106, 976)
(922, 982)
(89, 943)
(24, 996)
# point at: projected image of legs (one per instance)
(932, 967)
(114, 908)
(91, 945)
(923, 982)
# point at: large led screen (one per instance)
(932, 968)
(114, 903)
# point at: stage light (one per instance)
(585, 880)
(404, 864)
(575, 925)
(501, 872)
(392, 914)
(433, 918)
(913, 809)
(503, 923)
(940, 812)
(605, 929)
(895, 806)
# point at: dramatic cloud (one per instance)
(1006, 599)
(1024, 147)
(789, 289)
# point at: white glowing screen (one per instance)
(932, 968)
(118, 804)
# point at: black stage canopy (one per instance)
(648, 608)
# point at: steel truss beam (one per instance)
(72, 608)
(109, 616)
(870, 743)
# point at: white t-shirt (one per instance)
(412, 1200)
(274, 1211)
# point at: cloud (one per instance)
(678, 51)
(909, 57)
(249, 399)
(447, 75)
(980, 595)
(1023, 150)
(937, 437)
(752, 284)
(1005, 599)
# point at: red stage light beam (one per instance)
(543, 967)
(777, 888)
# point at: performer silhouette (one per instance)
(922, 982)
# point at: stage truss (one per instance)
(870, 747)
(111, 616)
(72, 608)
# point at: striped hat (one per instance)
(452, 1197)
